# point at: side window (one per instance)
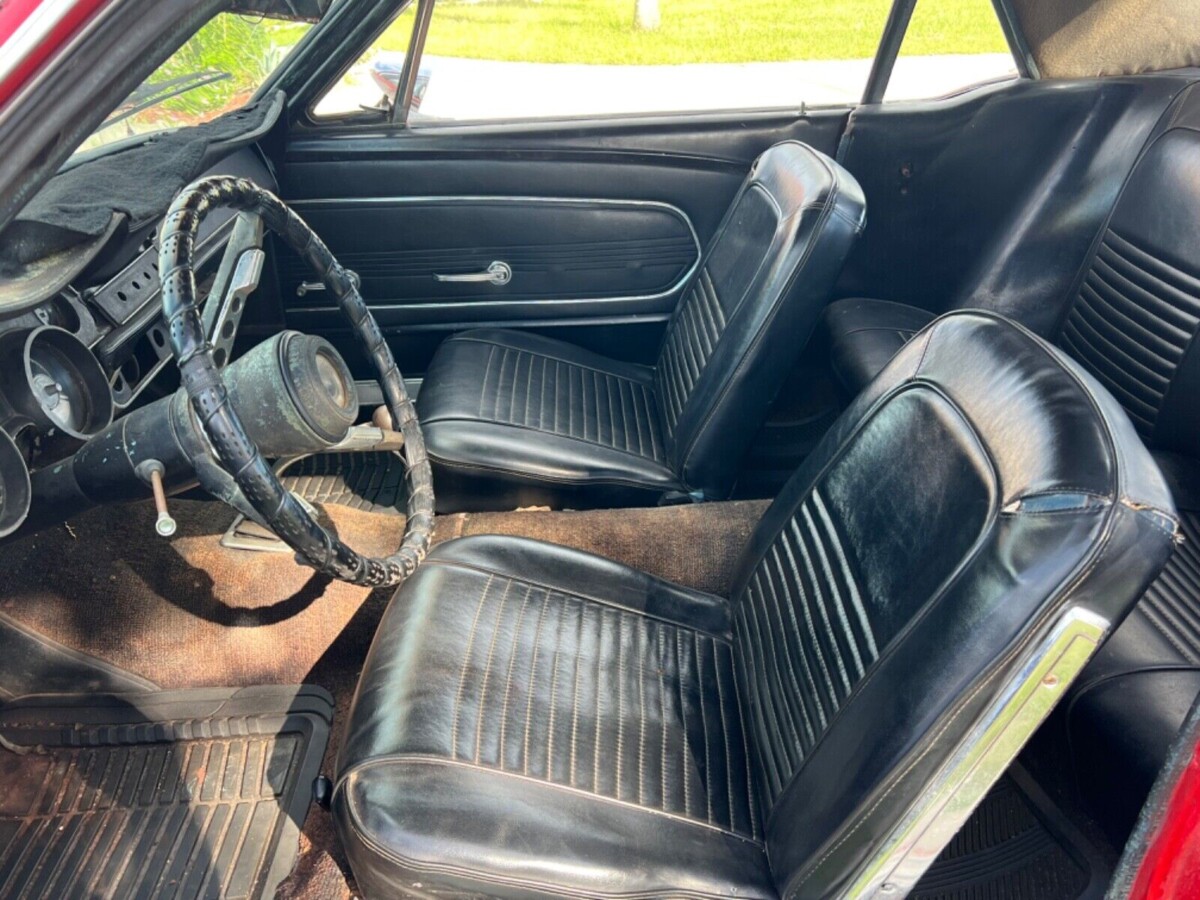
(950, 47)
(370, 83)
(488, 60)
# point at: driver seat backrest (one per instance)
(751, 305)
(983, 503)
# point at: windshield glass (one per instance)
(216, 71)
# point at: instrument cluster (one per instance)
(85, 356)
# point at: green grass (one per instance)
(602, 31)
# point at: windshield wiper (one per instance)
(149, 95)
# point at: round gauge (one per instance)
(57, 389)
(65, 388)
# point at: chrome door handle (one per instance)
(306, 286)
(497, 273)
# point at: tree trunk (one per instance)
(645, 14)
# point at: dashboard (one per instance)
(73, 361)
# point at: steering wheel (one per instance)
(236, 452)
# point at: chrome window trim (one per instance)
(677, 288)
(1024, 702)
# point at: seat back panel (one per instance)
(717, 293)
(1134, 322)
(839, 580)
(762, 282)
(978, 488)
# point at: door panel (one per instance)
(575, 258)
(602, 223)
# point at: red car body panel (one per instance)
(62, 22)
(1170, 870)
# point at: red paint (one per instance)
(1170, 869)
(14, 13)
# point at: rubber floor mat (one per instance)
(1014, 846)
(371, 482)
(164, 794)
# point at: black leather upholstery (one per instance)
(1134, 315)
(513, 420)
(1135, 320)
(863, 334)
(1136, 323)
(530, 719)
(533, 721)
(523, 420)
(1133, 323)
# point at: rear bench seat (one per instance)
(1133, 323)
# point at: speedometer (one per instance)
(64, 387)
(57, 387)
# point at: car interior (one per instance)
(761, 503)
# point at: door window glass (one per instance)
(371, 82)
(950, 46)
(536, 59)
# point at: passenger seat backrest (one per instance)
(760, 287)
(1135, 319)
(979, 488)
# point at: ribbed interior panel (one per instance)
(804, 640)
(1131, 323)
(1172, 603)
(690, 341)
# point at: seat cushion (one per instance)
(515, 419)
(864, 334)
(537, 721)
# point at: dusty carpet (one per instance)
(188, 612)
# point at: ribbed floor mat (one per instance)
(1006, 851)
(166, 794)
(371, 482)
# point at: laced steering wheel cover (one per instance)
(237, 453)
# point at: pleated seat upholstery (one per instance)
(515, 419)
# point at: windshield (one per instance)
(217, 70)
